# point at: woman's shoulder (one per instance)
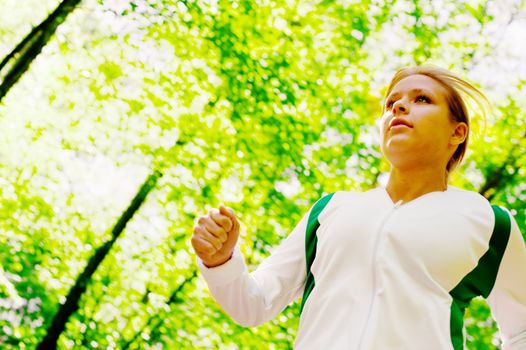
(471, 203)
(466, 195)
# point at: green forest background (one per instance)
(121, 121)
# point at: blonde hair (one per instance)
(457, 90)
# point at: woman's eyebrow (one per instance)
(421, 91)
(412, 91)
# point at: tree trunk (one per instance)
(18, 61)
(79, 288)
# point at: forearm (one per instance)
(234, 290)
(254, 298)
(249, 298)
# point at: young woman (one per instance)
(393, 267)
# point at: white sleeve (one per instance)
(254, 298)
(508, 297)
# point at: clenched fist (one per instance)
(215, 236)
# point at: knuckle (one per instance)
(196, 243)
(214, 217)
(201, 248)
(212, 239)
(197, 247)
(225, 222)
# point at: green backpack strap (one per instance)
(311, 242)
(480, 281)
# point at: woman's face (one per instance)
(416, 128)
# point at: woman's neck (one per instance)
(407, 185)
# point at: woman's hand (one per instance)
(215, 236)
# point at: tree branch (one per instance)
(29, 48)
(154, 322)
(79, 288)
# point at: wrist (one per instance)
(218, 262)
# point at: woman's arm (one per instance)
(508, 296)
(254, 298)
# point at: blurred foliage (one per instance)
(262, 105)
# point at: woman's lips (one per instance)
(398, 123)
(400, 126)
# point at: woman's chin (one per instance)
(399, 144)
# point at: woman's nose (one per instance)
(400, 107)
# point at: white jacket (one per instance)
(384, 274)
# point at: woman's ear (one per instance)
(460, 133)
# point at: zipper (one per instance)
(375, 270)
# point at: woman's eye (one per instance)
(389, 104)
(423, 98)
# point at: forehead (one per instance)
(419, 81)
